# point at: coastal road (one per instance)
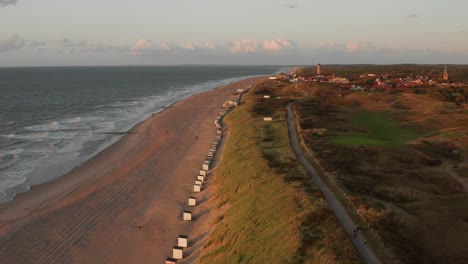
(366, 252)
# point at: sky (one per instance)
(241, 32)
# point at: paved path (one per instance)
(367, 254)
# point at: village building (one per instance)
(338, 80)
(446, 76)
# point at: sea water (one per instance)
(54, 118)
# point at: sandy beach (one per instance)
(124, 205)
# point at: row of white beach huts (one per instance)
(182, 240)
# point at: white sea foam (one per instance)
(29, 136)
(125, 104)
(53, 145)
(52, 126)
(7, 183)
(9, 158)
(73, 120)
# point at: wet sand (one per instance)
(124, 205)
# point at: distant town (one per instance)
(438, 84)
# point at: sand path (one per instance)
(124, 205)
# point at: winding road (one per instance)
(366, 252)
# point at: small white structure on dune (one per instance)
(178, 252)
(206, 165)
(187, 216)
(182, 241)
(192, 201)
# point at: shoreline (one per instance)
(116, 185)
(45, 172)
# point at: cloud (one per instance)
(165, 46)
(146, 46)
(191, 46)
(357, 46)
(292, 4)
(243, 46)
(84, 46)
(252, 46)
(35, 44)
(13, 43)
(278, 44)
(414, 16)
(141, 44)
(354, 46)
(4, 3)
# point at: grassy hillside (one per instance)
(274, 214)
(393, 165)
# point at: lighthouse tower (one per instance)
(446, 76)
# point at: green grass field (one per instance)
(374, 129)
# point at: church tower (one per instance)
(446, 77)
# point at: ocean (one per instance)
(55, 118)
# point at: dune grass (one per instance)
(374, 129)
(416, 208)
(274, 214)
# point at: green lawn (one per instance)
(374, 129)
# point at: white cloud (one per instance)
(252, 46)
(35, 44)
(292, 4)
(165, 46)
(243, 46)
(13, 43)
(350, 47)
(191, 46)
(7, 2)
(354, 46)
(278, 44)
(141, 44)
(146, 46)
(84, 46)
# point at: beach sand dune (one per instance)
(124, 205)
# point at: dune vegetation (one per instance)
(273, 213)
(397, 161)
